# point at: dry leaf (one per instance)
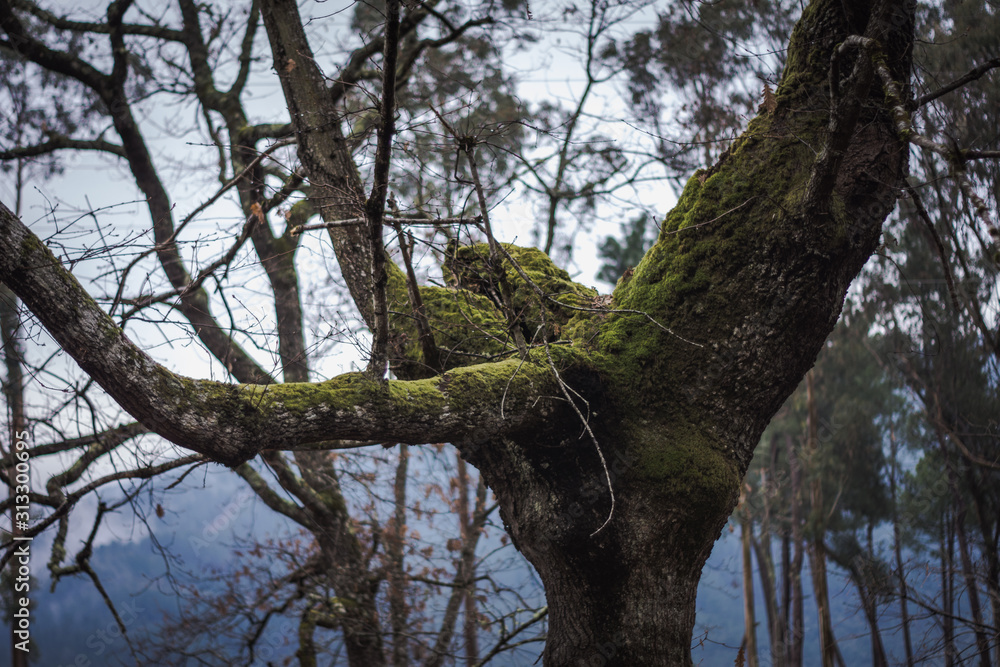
(770, 101)
(257, 212)
(290, 65)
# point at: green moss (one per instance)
(467, 320)
(470, 267)
(457, 390)
(725, 222)
(467, 327)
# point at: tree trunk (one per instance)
(671, 421)
(797, 634)
(817, 568)
(396, 541)
(948, 589)
(859, 574)
(765, 566)
(749, 617)
(988, 545)
(817, 525)
(898, 552)
(470, 628)
(968, 569)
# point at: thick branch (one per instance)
(759, 252)
(231, 423)
(375, 206)
(336, 191)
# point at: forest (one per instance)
(427, 332)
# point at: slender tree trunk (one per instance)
(749, 616)
(968, 570)
(898, 552)
(398, 610)
(471, 623)
(817, 548)
(988, 548)
(948, 588)
(878, 648)
(817, 567)
(795, 636)
(863, 577)
(972, 588)
(765, 565)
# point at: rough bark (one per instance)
(677, 381)
(336, 191)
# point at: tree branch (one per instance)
(972, 75)
(59, 142)
(232, 423)
(375, 206)
(61, 23)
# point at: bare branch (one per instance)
(59, 142)
(157, 31)
(971, 75)
(506, 638)
(427, 345)
(354, 222)
(375, 206)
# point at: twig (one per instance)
(427, 343)
(353, 222)
(505, 639)
(190, 216)
(586, 425)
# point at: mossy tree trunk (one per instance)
(676, 379)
